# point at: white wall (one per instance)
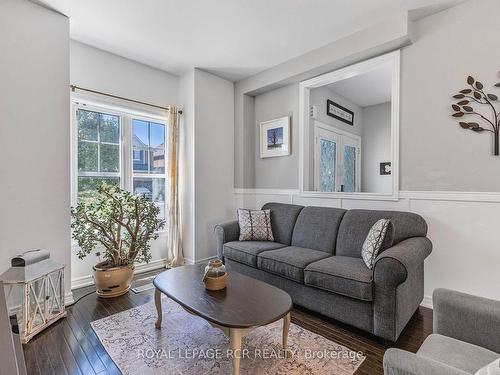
(393, 33)
(102, 71)
(34, 132)
(213, 138)
(436, 154)
(280, 171)
(206, 161)
(376, 148)
(448, 175)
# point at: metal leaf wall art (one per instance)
(472, 98)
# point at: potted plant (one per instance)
(123, 225)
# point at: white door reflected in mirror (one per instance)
(337, 161)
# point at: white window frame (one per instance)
(126, 114)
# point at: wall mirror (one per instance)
(349, 131)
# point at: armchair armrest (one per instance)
(400, 362)
(226, 232)
(468, 318)
(393, 265)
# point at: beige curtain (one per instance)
(174, 251)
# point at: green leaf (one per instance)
(95, 221)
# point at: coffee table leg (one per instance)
(235, 340)
(158, 307)
(286, 327)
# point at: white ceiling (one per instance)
(366, 89)
(231, 38)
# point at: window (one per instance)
(121, 148)
(98, 150)
(148, 153)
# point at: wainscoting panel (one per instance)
(464, 228)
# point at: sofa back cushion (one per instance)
(356, 224)
(316, 228)
(283, 218)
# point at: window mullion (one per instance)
(99, 144)
(126, 151)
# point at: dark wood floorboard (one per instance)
(70, 346)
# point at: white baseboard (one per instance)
(68, 299)
(427, 302)
(80, 282)
(191, 261)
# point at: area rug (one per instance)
(187, 344)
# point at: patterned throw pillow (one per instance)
(255, 225)
(374, 241)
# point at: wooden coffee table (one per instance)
(245, 304)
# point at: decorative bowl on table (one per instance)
(215, 274)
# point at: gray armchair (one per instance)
(466, 337)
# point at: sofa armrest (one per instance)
(401, 362)
(393, 265)
(398, 277)
(468, 318)
(226, 232)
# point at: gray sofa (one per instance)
(466, 337)
(316, 258)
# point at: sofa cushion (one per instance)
(246, 251)
(455, 353)
(289, 261)
(316, 228)
(356, 224)
(343, 275)
(283, 217)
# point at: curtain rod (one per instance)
(73, 88)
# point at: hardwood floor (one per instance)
(70, 346)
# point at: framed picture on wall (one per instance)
(275, 137)
(340, 113)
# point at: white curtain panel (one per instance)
(174, 250)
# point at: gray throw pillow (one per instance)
(255, 225)
(373, 242)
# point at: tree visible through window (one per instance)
(98, 150)
(137, 164)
